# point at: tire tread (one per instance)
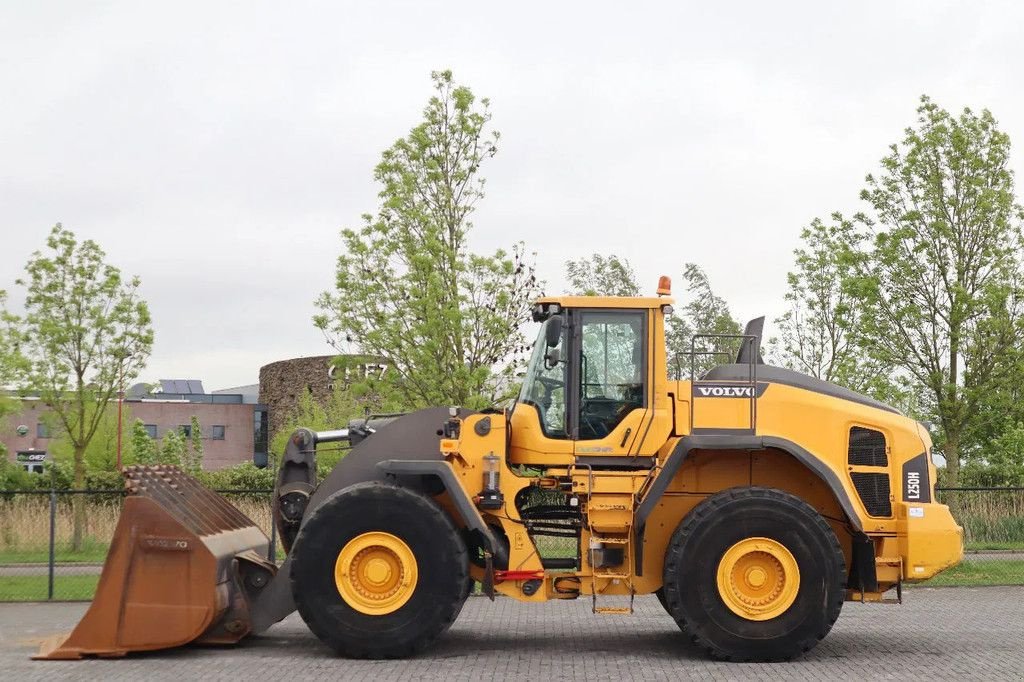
(709, 508)
(367, 492)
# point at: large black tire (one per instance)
(660, 594)
(698, 546)
(442, 564)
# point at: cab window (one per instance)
(611, 370)
(544, 385)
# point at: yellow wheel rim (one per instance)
(375, 573)
(758, 578)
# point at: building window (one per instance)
(259, 436)
(186, 430)
(151, 431)
(217, 432)
(42, 430)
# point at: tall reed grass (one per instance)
(25, 525)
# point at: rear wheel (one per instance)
(754, 574)
(379, 571)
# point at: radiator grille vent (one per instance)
(867, 448)
(873, 490)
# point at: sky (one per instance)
(216, 149)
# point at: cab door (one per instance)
(609, 399)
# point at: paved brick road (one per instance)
(951, 633)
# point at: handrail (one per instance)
(751, 371)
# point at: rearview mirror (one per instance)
(554, 331)
(552, 358)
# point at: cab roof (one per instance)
(607, 301)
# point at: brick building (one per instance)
(234, 425)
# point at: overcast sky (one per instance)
(216, 149)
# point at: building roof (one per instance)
(250, 392)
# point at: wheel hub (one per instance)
(758, 578)
(376, 573)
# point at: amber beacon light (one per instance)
(664, 286)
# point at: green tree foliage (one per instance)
(14, 476)
(192, 456)
(938, 277)
(821, 333)
(101, 452)
(408, 290)
(173, 448)
(144, 449)
(244, 476)
(600, 275)
(700, 311)
(335, 413)
(84, 333)
(1002, 462)
(8, 362)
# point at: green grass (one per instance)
(92, 552)
(34, 587)
(977, 573)
(984, 544)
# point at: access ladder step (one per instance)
(613, 576)
(614, 610)
(611, 541)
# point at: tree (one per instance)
(84, 333)
(8, 362)
(408, 291)
(703, 312)
(144, 450)
(601, 276)
(1003, 462)
(821, 333)
(192, 457)
(173, 448)
(343, 405)
(938, 279)
(101, 452)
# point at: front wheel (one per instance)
(379, 571)
(754, 574)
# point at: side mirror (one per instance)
(554, 331)
(552, 358)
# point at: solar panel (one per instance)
(182, 386)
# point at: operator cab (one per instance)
(589, 390)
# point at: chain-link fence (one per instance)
(40, 560)
(39, 556)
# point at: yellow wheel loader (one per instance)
(752, 500)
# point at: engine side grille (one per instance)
(873, 490)
(867, 448)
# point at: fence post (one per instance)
(53, 530)
(272, 552)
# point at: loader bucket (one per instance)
(181, 568)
